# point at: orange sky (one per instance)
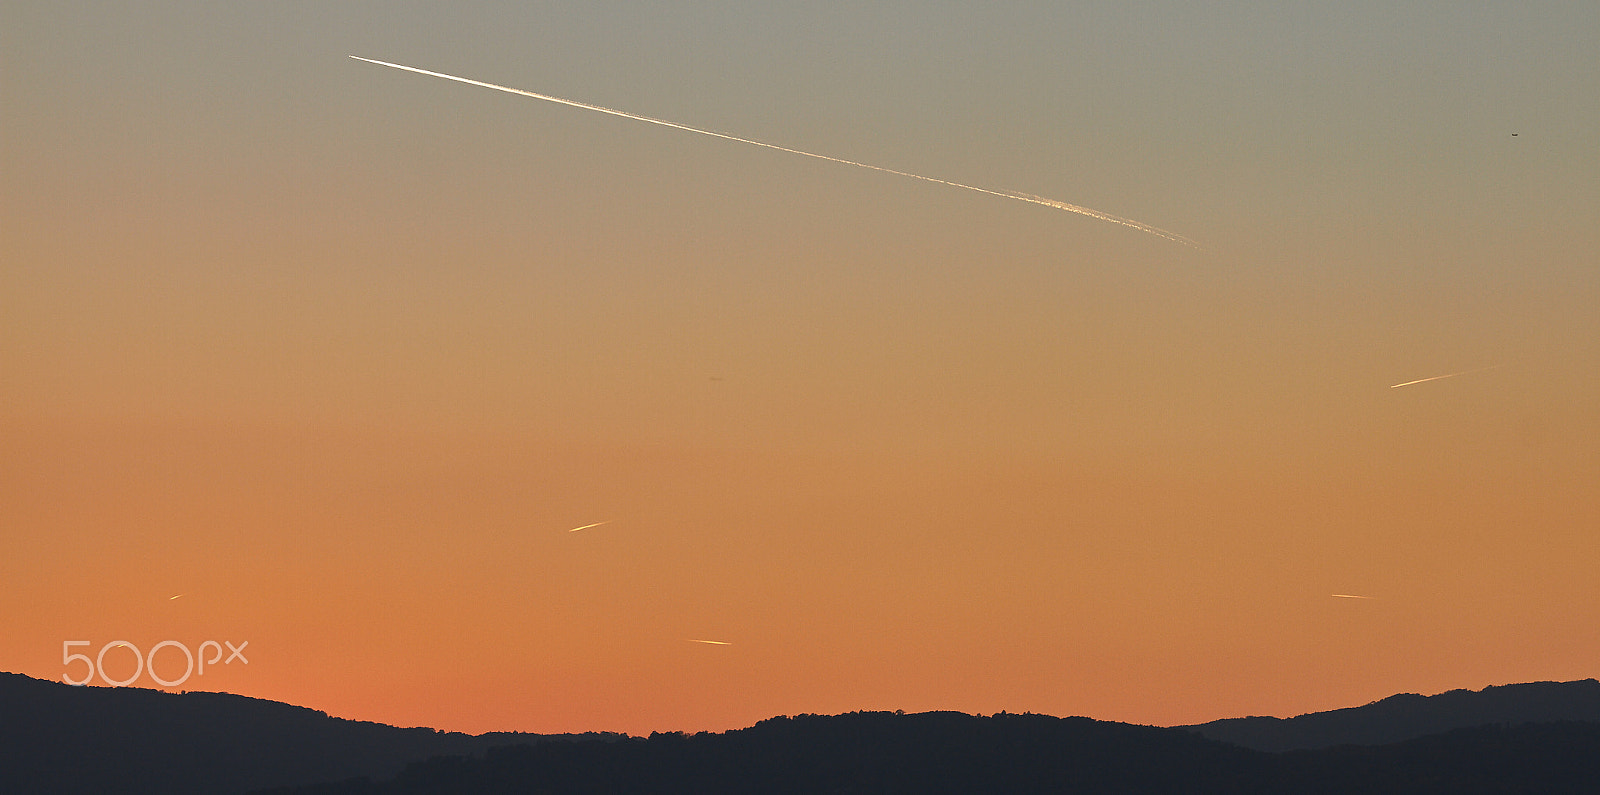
(340, 354)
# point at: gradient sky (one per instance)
(340, 353)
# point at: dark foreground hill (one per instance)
(861, 752)
(1407, 716)
(56, 738)
(60, 739)
(953, 753)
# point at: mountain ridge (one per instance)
(57, 738)
(1406, 716)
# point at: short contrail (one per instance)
(1071, 208)
(587, 526)
(1447, 375)
(712, 642)
(1347, 596)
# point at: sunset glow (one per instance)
(452, 408)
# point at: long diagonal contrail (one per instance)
(1024, 197)
(1446, 375)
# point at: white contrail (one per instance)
(1347, 596)
(1446, 375)
(1071, 208)
(712, 642)
(587, 526)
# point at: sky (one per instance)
(328, 358)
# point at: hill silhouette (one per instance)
(57, 738)
(1407, 716)
(887, 754)
(861, 752)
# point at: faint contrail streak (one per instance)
(1446, 375)
(587, 526)
(712, 642)
(1071, 208)
(1347, 596)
